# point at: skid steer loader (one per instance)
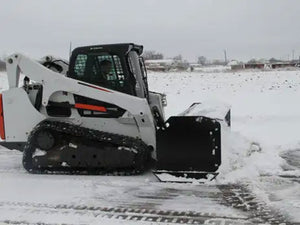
(95, 114)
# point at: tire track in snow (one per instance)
(130, 214)
(240, 197)
(23, 222)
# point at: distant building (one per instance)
(195, 66)
(254, 66)
(166, 65)
(283, 65)
(157, 56)
(159, 64)
(262, 64)
(236, 65)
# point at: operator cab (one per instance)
(118, 67)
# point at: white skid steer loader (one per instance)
(96, 115)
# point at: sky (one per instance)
(244, 28)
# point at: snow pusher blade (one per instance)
(190, 146)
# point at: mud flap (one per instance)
(189, 146)
(13, 145)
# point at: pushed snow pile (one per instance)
(215, 110)
(245, 159)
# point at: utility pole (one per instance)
(293, 54)
(225, 55)
(70, 50)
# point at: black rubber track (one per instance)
(139, 165)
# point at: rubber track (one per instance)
(142, 155)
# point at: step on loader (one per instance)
(96, 115)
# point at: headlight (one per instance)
(164, 100)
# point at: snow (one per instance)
(233, 63)
(62, 199)
(265, 123)
(261, 151)
(212, 69)
(215, 110)
(166, 61)
(166, 177)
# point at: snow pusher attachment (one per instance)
(189, 146)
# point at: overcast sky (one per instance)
(245, 28)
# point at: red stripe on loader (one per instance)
(2, 131)
(90, 107)
(98, 88)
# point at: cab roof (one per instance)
(122, 48)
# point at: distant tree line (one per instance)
(149, 55)
(204, 61)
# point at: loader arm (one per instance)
(53, 82)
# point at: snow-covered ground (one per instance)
(260, 160)
(212, 69)
(264, 145)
